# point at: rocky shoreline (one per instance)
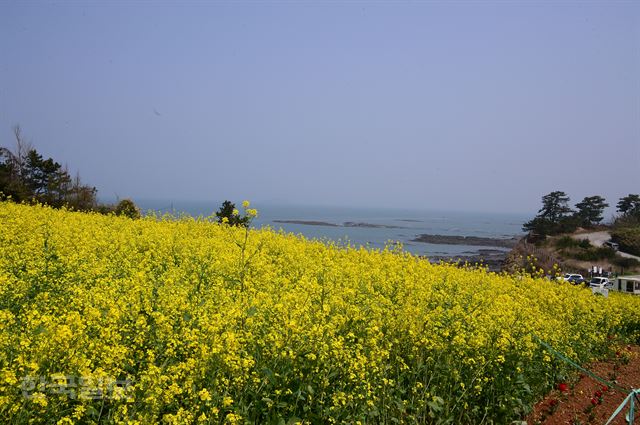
(492, 256)
(493, 259)
(467, 240)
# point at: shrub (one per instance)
(595, 254)
(569, 242)
(127, 208)
(584, 243)
(628, 238)
(626, 263)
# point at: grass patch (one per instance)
(568, 242)
(582, 250)
(595, 254)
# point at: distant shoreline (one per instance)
(467, 240)
(345, 224)
(307, 222)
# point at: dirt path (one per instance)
(587, 401)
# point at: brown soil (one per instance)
(587, 401)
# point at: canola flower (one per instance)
(183, 320)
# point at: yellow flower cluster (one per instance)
(182, 320)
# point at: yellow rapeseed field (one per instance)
(105, 319)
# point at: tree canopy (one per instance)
(556, 216)
(26, 176)
(590, 209)
(555, 206)
(553, 217)
(629, 205)
(230, 215)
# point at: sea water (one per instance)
(396, 225)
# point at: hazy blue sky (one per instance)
(468, 105)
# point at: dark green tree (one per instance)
(538, 226)
(629, 206)
(26, 176)
(555, 207)
(229, 214)
(45, 179)
(589, 210)
(10, 182)
(554, 217)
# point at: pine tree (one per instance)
(590, 209)
(554, 216)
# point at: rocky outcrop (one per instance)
(467, 240)
(493, 259)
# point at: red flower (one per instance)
(563, 387)
(598, 394)
(553, 402)
(605, 388)
(594, 401)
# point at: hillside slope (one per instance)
(200, 322)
